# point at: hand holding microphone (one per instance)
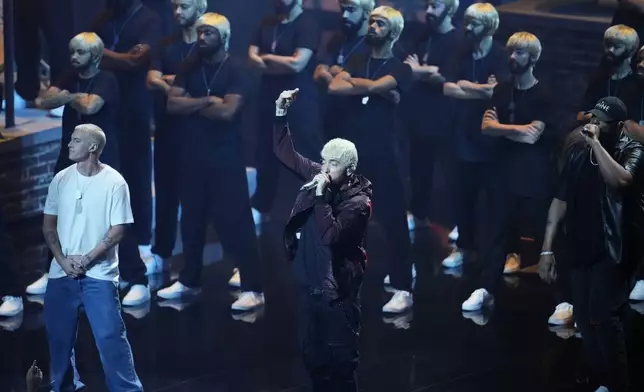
(590, 131)
(320, 181)
(284, 101)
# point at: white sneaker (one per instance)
(455, 259)
(453, 235)
(602, 389)
(153, 264)
(387, 280)
(562, 315)
(138, 295)
(38, 287)
(11, 306)
(638, 291)
(178, 290)
(247, 301)
(399, 303)
(145, 252)
(235, 280)
(512, 263)
(478, 300)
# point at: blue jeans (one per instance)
(63, 302)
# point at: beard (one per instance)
(517, 69)
(615, 61)
(82, 67)
(434, 22)
(373, 40)
(281, 9)
(350, 29)
(209, 50)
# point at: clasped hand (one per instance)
(75, 265)
(590, 132)
(323, 181)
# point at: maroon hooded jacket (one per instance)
(341, 219)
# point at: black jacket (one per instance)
(342, 219)
(622, 208)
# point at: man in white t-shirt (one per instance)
(86, 216)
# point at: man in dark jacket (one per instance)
(598, 198)
(324, 239)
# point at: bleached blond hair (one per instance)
(366, 5)
(219, 22)
(624, 35)
(200, 5)
(95, 133)
(92, 43)
(395, 19)
(525, 41)
(486, 14)
(343, 151)
(451, 6)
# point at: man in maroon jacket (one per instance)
(324, 239)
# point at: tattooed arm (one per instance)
(114, 235)
(50, 231)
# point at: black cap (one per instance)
(609, 109)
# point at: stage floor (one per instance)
(201, 346)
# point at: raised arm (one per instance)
(283, 142)
(615, 174)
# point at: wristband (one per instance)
(547, 253)
(279, 112)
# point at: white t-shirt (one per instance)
(87, 207)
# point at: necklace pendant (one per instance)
(273, 46)
(79, 207)
(208, 93)
(512, 118)
(425, 58)
(340, 60)
(365, 100)
(79, 195)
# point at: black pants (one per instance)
(425, 153)
(131, 267)
(600, 295)
(135, 150)
(305, 128)
(328, 334)
(166, 186)
(56, 20)
(510, 218)
(9, 277)
(389, 211)
(218, 192)
(472, 181)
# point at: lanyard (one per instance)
(367, 76)
(428, 50)
(342, 58)
(203, 73)
(117, 35)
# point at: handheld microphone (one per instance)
(309, 185)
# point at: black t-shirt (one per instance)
(340, 49)
(105, 85)
(600, 85)
(208, 139)
(371, 120)
(471, 144)
(431, 50)
(526, 168)
(122, 34)
(283, 39)
(167, 59)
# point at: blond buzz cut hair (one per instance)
(219, 22)
(90, 41)
(394, 17)
(487, 14)
(343, 151)
(526, 41)
(96, 135)
(450, 5)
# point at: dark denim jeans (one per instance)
(99, 298)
